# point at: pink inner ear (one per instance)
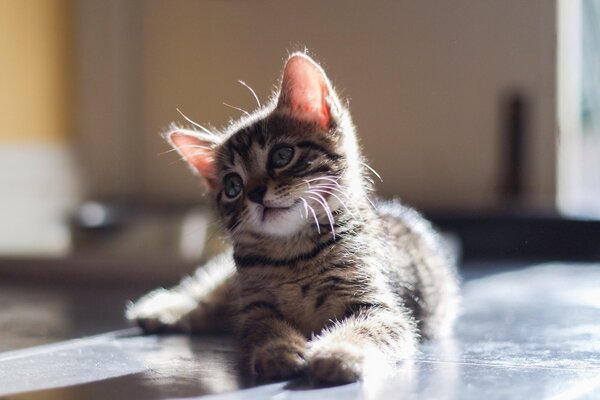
(198, 153)
(304, 90)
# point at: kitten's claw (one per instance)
(277, 360)
(161, 310)
(336, 364)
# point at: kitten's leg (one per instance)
(369, 338)
(200, 303)
(272, 348)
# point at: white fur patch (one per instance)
(161, 306)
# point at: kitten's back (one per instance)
(422, 267)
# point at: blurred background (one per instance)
(483, 114)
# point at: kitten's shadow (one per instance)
(302, 382)
(396, 383)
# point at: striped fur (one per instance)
(332, 285)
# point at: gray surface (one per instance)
(524, 334)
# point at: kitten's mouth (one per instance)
(273, 212)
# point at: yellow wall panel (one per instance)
(35, 70)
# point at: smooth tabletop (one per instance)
(531, 332)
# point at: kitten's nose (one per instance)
(257, 194)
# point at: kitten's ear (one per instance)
(305, 90)
(198, 149)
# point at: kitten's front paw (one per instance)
(336, 364)
(278, 359)
(161, 310)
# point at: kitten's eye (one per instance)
(232, 185)
(281, 156)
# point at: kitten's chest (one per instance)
(309, 303)
(309, 295)
(301, 307)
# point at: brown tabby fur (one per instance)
(334, 300)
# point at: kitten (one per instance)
(318, 279)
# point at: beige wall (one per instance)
(35, 70)
(37, 178)
(424, 79)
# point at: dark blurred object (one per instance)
(514, 236)
(514, 138)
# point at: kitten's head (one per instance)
(288, 168)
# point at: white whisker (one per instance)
(337, 189)
(312, 210)
(337, 197)
(166, 152)
(251, 91)
(372, 170)
(327, 185)
(327, 211)
(194, 123)
(327, 178)
(237, 108)
(328, 181)
(305, 207)
(370, 202)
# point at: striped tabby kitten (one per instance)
(318, 279)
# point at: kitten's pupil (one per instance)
(281, 156)
(232, 185)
